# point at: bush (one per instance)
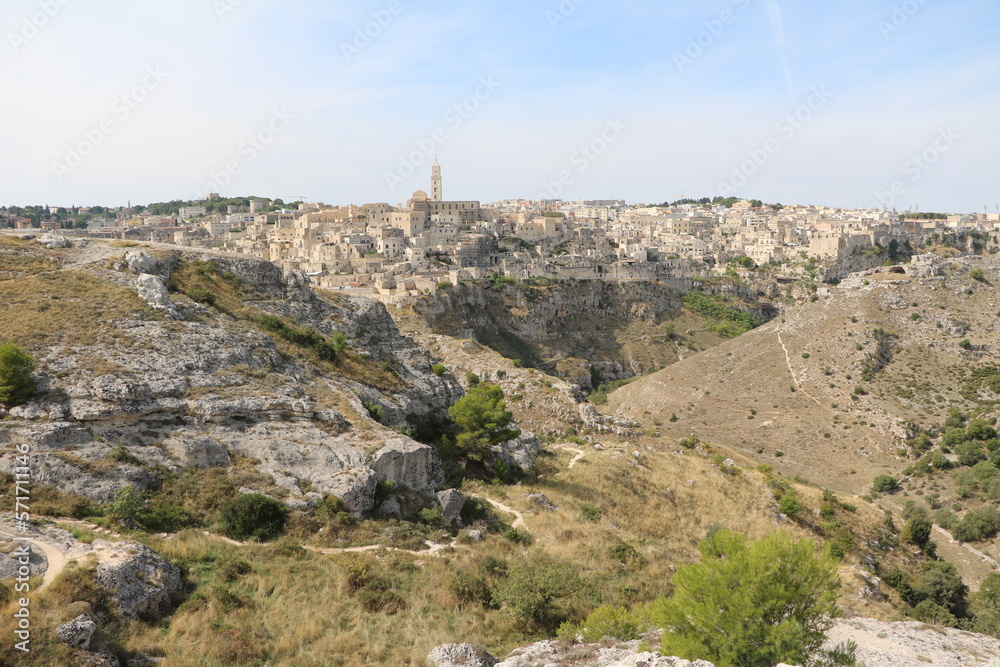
(166, 518)
(939, 582)
(917, 531)
(202, 295)
(753, 604)
(16, 365)
(470, 588)
(978, 275)
(789, 505)
(533, 587)
(591, 513)
(607, 621)
(977, 525)
(125, 505)
(438, 369)
(252, 515)
(374, 410)
(885, 484)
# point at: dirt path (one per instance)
(54, 557)
(518, 517)
(576, 459)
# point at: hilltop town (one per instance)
(397, 253)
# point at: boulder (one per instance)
(409, 463)
(355, 487)
(53, 241)
(194, 451)
(460, 655)
(153, 290)
(140, 262)
(452, 501)
(77, 633)
(140, 582)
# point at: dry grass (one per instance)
(62, 308)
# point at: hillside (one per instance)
(199, 379)
(796, 394)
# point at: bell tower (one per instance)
(436, 185)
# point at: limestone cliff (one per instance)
(160, 382)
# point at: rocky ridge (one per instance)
(179, 385)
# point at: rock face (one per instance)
(452, 502)
(140, 582)
(460, 655)
(546, 653)
(77, 633)
(183, 386)
(914, 644)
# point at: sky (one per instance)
(853, 103)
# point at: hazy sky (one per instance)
(819, 102)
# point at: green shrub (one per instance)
(374, 411)
(885, 484)
(202, 295)
(978, 275)
(917, 531)
(746, 603)
(517, 536)
(977, 525)
(438, 369)
(470, 588)
(689, 442)
(607, 621)
(166, 518)
(16, 383)
(252, 515)
(789, 505)
(125, 505)
(591, 513)
(533, 587)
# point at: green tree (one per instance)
(16, 385)
(985, 606)
(940, 584)
(749, 604)
(484, 420)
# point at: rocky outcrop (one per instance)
(77, 633)
(546, 653)
(460, 655)
(183, 386)
(452, 502)
(54, 241)
(141, 584)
